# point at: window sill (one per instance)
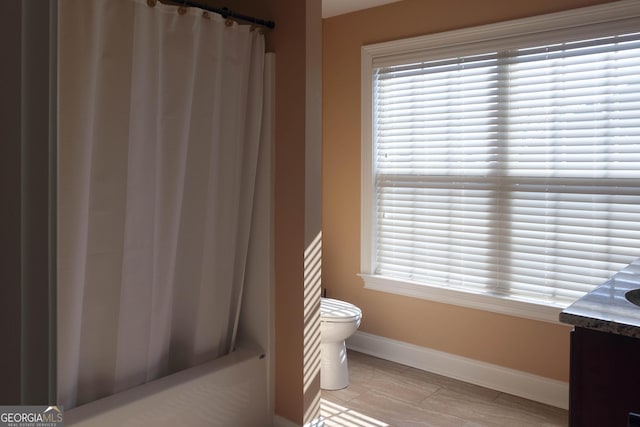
(493, 303)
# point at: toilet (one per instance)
(338, 321)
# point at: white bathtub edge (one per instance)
(131, 404)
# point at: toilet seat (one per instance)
(335, 311)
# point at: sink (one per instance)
(633, 296)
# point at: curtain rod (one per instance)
(225, 12)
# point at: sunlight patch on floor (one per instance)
(335, 415)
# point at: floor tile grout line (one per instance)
(371, 374)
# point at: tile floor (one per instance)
(384, 394)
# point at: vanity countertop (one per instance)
(605, 308)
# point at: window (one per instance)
(501, 164)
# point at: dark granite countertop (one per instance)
(606, 308)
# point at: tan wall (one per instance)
(297, 128)
(289, 204)
(526, 345)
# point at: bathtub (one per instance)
(231, 391)
(235, 390)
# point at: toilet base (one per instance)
(334, 372)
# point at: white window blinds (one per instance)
(513, 172)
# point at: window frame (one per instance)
(583, 22)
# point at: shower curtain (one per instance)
(160, 113)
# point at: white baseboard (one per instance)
(534, 387)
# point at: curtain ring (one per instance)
(151, 3)
(228, 22)
(182, 9)
(206, 15)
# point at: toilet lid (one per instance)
(333, 310)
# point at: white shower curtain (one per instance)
(160, 122)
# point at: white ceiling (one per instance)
(338, 7)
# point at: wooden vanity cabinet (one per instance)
(604, 378)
